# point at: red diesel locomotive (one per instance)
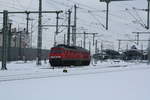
(64, 55)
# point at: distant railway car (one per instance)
(63, 55)
(132, 55)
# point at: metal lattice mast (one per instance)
(84, 40)
(69, 24)
(148, 9)
(5, 40)
(56, 33)
(75, 25)
(39, 41)
(9, 41)
(27, 24)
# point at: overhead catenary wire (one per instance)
(74, 2)
(102, 11)
(93, 10)
(88, 8)
(10, 6)
(139, 16)
(60, 3)
(97, 20)
(2, 2)
(31, 4)
(137, 20)
(81, 4)
(52, 4)
(21, 6)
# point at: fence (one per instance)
(20, 53)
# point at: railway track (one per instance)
(71, 72)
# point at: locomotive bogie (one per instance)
(60, 62)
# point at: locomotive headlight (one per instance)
(55, 56)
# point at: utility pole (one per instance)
(127, 46)
(107, 9)
(27, 27)
(138, 38)
(148, 9)
(39, 41)
(75, 26)
(64, 38)
(57, 18)
(119, 43)
(31, 33)
(84, 42)
(96, 47)
(20, 45)
(9, 41)
(69, 22)
(101, 46)
(148, 52)
(81, 43)
(5, 40)
(93, 39)
(90, 46)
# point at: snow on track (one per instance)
(58, 72)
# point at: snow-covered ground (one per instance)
(103, 81)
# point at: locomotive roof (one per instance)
(72, 47)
